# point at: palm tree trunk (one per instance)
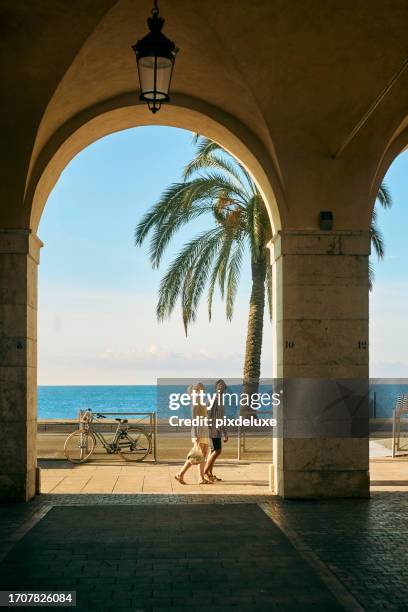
(253, 349)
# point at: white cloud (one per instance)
(154, 355)
(114, 338)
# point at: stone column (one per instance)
(321, 354)
(19, 257)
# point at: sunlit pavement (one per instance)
(387, 474)
(61, 477)
(244, 478)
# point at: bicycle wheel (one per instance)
(134, 445)
(79, 446)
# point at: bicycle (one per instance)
(132, 443)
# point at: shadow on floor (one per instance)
(148, 557)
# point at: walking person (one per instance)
(217, 433)
(199, 434)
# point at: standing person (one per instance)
(199, 434)
(216, 433)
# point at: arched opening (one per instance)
(66, 350)
(388, 340)
(95, 95)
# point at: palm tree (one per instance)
(214, 184)
(384, 199)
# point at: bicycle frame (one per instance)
(114, 446)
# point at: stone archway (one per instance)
(23, 247)
(124, 112)
(397, 143)
(284, 108)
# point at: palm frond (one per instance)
(172, 283)
(377, 240)
(195, 283)
(218, 271)
(219, 183)
(214, 162)
(169, 200)
(210, 153)
(234, 272)
(371, 276)
(180, 204)
(222, 272)
(167, 228)
(384, 196)
(253, 188)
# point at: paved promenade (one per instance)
(389, 474)
(120, 477)
(244, 478)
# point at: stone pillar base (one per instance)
(320, 484)
(316, 468)
(17, 487)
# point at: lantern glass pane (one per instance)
(155, 88)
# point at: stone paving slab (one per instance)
(145, 558)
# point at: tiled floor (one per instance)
(358, 548)
(325, 555)
(142, 558)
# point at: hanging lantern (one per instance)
(155, 56)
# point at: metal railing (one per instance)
(242, 437)
(150, 422)
(401, 408)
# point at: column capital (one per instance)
(318, 242)
(20, 242)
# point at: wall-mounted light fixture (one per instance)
(326, 220)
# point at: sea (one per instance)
(64, 402)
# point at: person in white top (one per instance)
(199, 435)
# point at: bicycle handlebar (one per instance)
(100, 416)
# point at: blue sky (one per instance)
(98, 292)
(389, 298)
